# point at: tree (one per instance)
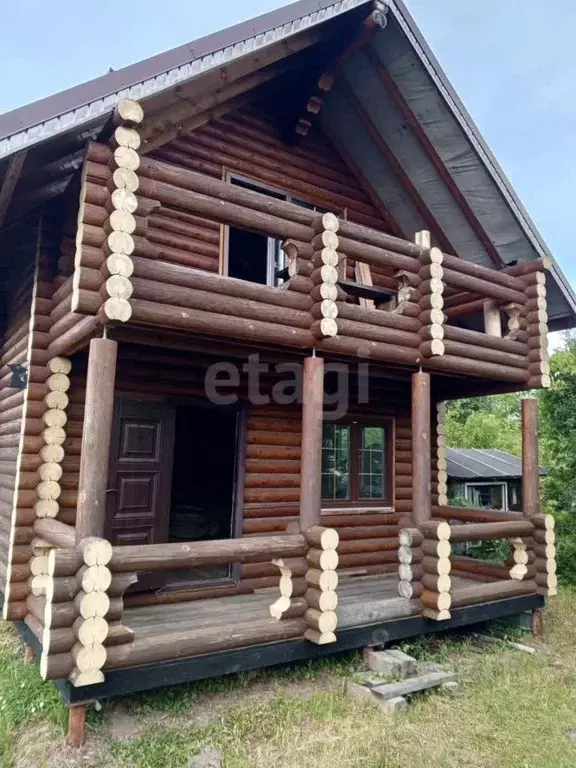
(558, 428)
(485, 422)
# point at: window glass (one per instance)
(372, 463)
(336, 462)
(486, 496)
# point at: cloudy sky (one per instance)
(511, 62)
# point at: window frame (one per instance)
(500, 483)
(356, 423)
(288, 197)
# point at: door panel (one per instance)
(140, 475)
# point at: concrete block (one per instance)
(409, 665)
(384, 664)
(360, 692)
(396, 704)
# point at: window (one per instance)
(356, 463)
(487, 495)
(255, 257)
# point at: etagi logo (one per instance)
(224, 380)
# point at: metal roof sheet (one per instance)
(483, 464)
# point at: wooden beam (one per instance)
(311, 461)
(421, 449)
(530, 465)
(397, 168)
(96, 435)
(398, 98)
(219, 86)
(9, 184)
(211, 107)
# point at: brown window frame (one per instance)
(356, 423)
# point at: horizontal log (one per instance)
(164, 293)
(484, 353)
(361, 330)
(478, 368)
(154, 557)
(174, 194)
(55, 532)
(484, 287)
(484, 593)
(474, 515)
(486, 531)
(218, 324)
(502, 278)
(187, 643)
(467, 336)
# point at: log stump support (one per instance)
(325, 262)
(96, 436)
(322, 580)
(76, 735)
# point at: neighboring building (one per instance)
(485, 478)
(308, 188)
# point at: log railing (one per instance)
(79, 619)
(426, 563)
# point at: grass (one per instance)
(514, 712)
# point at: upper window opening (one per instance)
(255, 257)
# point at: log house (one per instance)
(233, 306)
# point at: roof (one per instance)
(483, 464)
(392, 109)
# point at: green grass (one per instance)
(24, 697)
(514, 712)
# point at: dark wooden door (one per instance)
(140, 473)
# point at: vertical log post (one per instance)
(492, 319)
(530, 465)
(96, 433)
(421, 453)
(311, 462)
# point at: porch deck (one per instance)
(362, 600)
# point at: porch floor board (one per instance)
(362, 600)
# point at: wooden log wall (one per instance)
(20, 253)
(31, 423)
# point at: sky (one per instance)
(511, 62)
